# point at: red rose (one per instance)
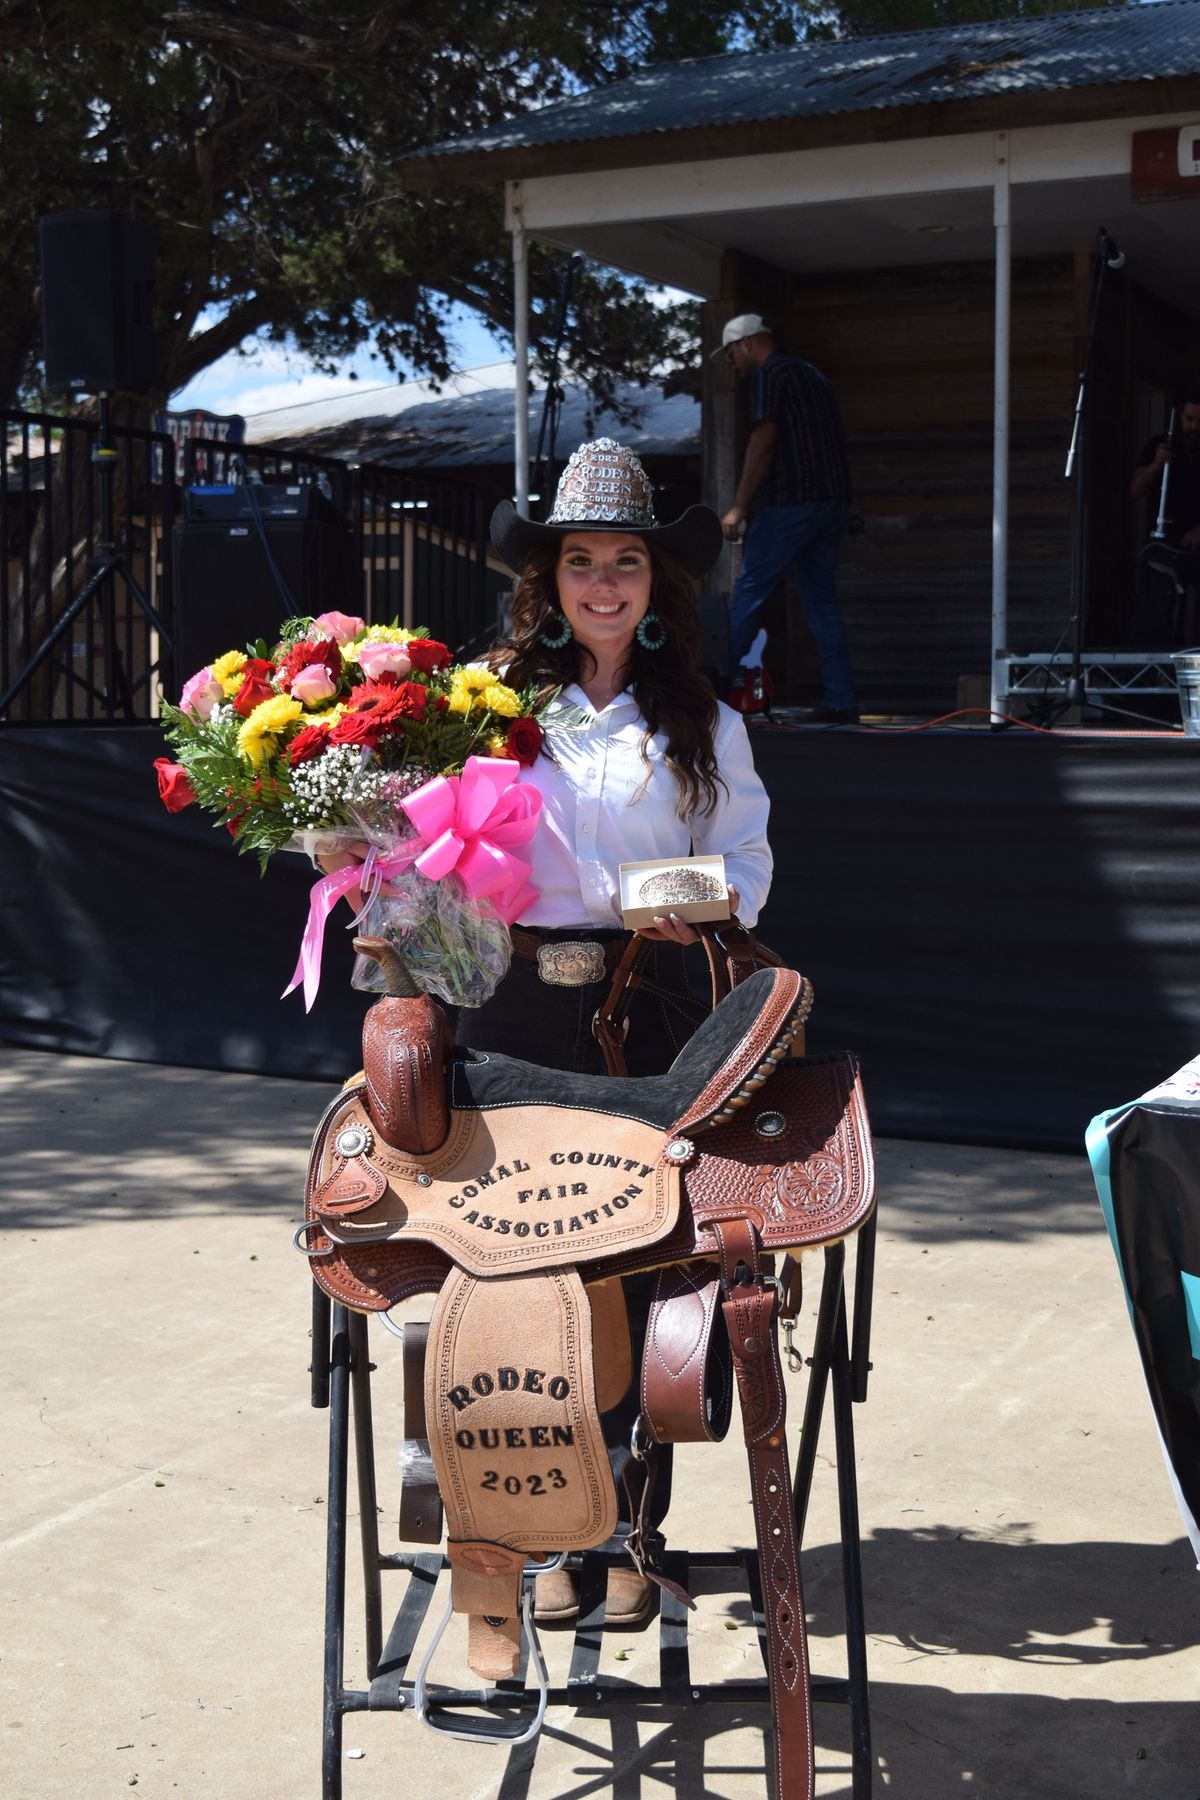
(307, 743)
(360, 728)
(426, 655)
(524, 741)
(233, 826)
(253, 691)
(174, 788)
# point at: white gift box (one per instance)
(637, 909)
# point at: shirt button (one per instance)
(587, 830)
(592, 882)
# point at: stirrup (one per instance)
(491, 1731)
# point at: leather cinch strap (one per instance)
(749, 1307)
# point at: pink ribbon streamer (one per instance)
(469, 825)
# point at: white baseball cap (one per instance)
(745, 325)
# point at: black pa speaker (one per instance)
(227, 591)
(97, 292)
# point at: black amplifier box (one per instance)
(225, 502)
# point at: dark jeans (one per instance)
(526, 1017)
(552, 1026)
(810, 536)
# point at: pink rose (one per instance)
(312, 685)
(378, 658)
(200, 694)
(341, 627)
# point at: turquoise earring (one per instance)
(563, 636)
(652, 633)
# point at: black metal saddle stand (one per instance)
(341, 1381)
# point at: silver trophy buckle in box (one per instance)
(692, 887)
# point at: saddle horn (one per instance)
(392, 965)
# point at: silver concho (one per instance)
(680, 1150)
(353, 1141)
(770, 1124)
(570, 964)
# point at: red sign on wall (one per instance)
(1166, 163)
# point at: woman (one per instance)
(639, 761)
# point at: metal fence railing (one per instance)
(94, 529)
(86, 571)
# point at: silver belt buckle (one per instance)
(570, 965)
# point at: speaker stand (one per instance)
(107, 566)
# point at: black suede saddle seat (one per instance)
(727, 1051)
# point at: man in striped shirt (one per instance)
(796, 474)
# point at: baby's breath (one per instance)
(325, 788)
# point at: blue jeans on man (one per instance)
(809, 535)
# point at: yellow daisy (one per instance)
(497, 744)
(502, 700)
(228, 671)
(257, 737)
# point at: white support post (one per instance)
(516, 224)
(1002, 220)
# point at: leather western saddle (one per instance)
(518, 1195)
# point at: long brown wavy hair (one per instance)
(674, 697)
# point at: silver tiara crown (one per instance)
(603, 481)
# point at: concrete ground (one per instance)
(1031, 1598)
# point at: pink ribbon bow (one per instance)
(469, 826)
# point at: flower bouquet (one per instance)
(364, 744)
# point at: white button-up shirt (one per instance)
(599, 810)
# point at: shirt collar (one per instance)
(573, 695)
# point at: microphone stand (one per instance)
(552, 403)
(1160, 524)
(1104, 257)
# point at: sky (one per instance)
(267, 376)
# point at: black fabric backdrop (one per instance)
(1003, 926)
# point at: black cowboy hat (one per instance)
(605, 488)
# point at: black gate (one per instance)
(88, 595)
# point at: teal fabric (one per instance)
(1191, 1300)
(1097, 1140)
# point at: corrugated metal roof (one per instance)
(472, 427)
(1141, 42)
